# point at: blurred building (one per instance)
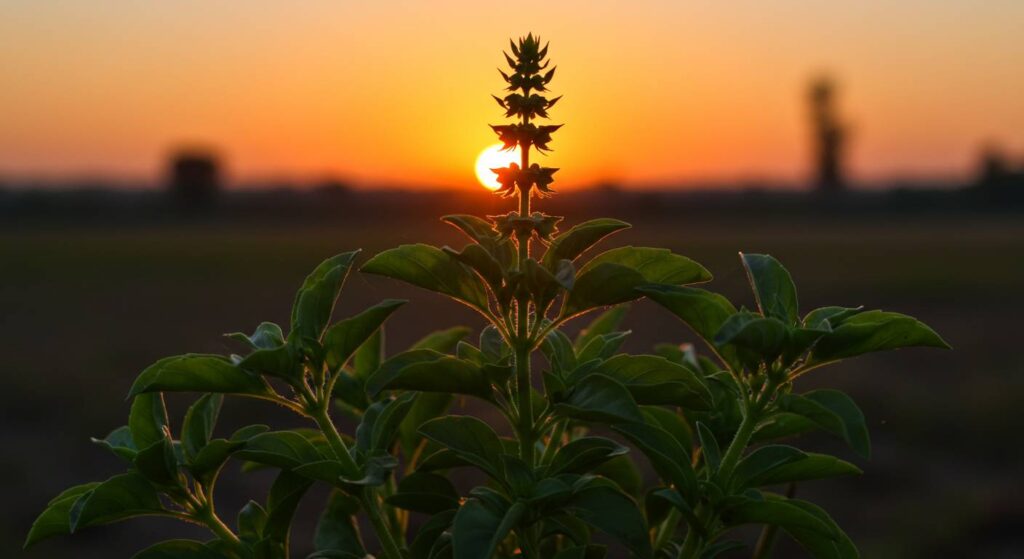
(997, 171)
(194, 178)
(828, 135)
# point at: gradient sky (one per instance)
(389, 91)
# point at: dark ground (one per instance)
(85, 308)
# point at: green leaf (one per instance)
(599, 398)
(283, 362)
(425, 492)
(669, 458)
(656, 265)
(479, 527)
(583, 455)
(475, 228)
(783, 425)
(834, 412)
(432, 532)
(251, 519)
(337, 529)
(285, 494)
(827, 318)
(267, 336)
(773, 287)
(605, 323)
(763, 460)
(811, 466)
(614, 276)
(836, 545)
(443, 341)
(778, 512)
(383, 426)
(873, 331)
(492, 345)
(54, 520)
(426, 370)
(481, 261)
(282, 449)
(471, 439)
(671, 421)
(602, 347)
(118, 498)
(703, 311)
(483, 233)
(604, 285)
(652, 380)
(757, 339)
(158, 463)
(709, 447)
(198, 373)
(343, 338)
(211, 457)
(599, 502)
(314, 302)
(624, 472)
(178, 549)
(425, 407)
(147, 419)
(673, 498)
(542, 284)
(200, 418)
(119, 441)
(558, 350)
(432, 269)
(368, 356)
(578, 239)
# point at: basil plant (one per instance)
(575, 421)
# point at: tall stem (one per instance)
(380, 525)
(692, 545)
(217, 526)
(523, 343)
(526, 434)
(323, 420)
(368, 498)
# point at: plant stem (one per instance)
(691, 545)
(554, 442)
(667, 529)
(523, 342)
(208, 517)
(380, 525)
(739, 443)
(368, 498)
(323, 420)
(526, 434)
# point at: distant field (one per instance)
(85, 309)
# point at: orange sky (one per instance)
(389, 91)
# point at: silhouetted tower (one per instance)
(194, 178)
(829, 137)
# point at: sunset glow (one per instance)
(491, 158)
(365, 92)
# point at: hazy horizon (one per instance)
(398, 92)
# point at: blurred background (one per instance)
(170, 172)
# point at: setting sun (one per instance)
(492, 158)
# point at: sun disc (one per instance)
(492, 158)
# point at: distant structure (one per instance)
(829, 136)
(194, 179)
(999, 179)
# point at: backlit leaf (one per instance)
(198, 373)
